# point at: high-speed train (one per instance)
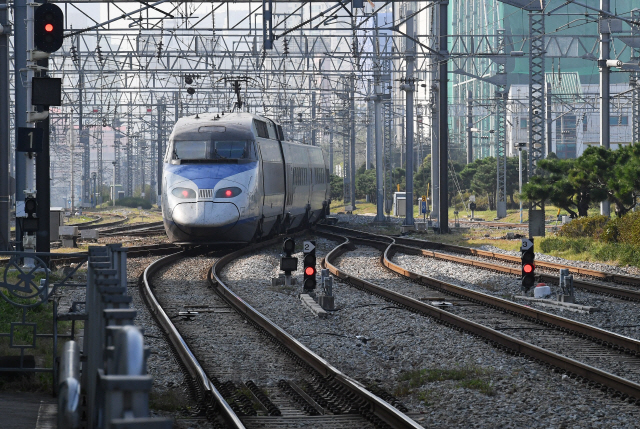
(234, 178)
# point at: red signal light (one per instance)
(228, 193)
(309, 271)
(528, 268)
(48, 28)
(185, 193)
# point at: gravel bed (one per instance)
(616, 315)
(170, 389)
(365, 220)
(628, 270)
(374, 341)
(542, 269)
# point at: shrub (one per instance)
(629, 229)
(134, 202)
(591, 226)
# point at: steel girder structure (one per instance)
(536, 114)
(501, 131)
(635, 82)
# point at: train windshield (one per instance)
(214, 151)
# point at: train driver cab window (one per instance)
(203, 151)
(190, 149)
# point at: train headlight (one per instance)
(228, 192)
(183, 193)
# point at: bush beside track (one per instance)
(600, 238)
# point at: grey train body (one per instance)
(233, 178)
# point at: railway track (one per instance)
(303, 390)
(145, 229)
(92, 224)
(599, 358)
(508, 264)
(497, 224)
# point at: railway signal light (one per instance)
(309, 261)
(288, 264)
(528, 264)
(289, 246)
(30, 222)
(48, 28)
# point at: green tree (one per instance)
(422, 178)
(337, 187)
(624, 183)
(366, 185)
(605, 167)
(481, 177)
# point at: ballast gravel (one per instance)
(611, 314)
(376, 342)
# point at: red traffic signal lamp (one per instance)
(528, 265)
(309, 263)
(48, 28)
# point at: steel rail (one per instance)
(122, 220)
(96, 219)
(600, 336)
(380, 408)
(210, 396)
(425, 244)
(599, 378)
(131, 227)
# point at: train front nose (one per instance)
(203, 217)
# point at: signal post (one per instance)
(44, 35)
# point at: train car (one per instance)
(234, 178)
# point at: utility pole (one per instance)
(72, 136)
(378, 131)
(443, 113)
(369, 133)
(129, 152)
(161, 109)
(5, 141)
(469, 127)
(634, 80)
(352, 151)
(605, 47)
(409, 88)
(20, 61)
(313, 119)
(331, 149)
(549, 120)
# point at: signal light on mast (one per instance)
(528, 268)
(528, 264)
(48, 28)
(309, 263)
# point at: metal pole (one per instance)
(549, 121)
(605, 135)
(520, 179)
(5, 140)
(443, 126)
(377, 109)
(352, 156)
(159, 147)
(43, 196)
(313, 119)
(333, 170)
(291, 121)
(409, 89)
(84, 141)
(469, 126)
(73, 149)
(369, 133)
(20, 61)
